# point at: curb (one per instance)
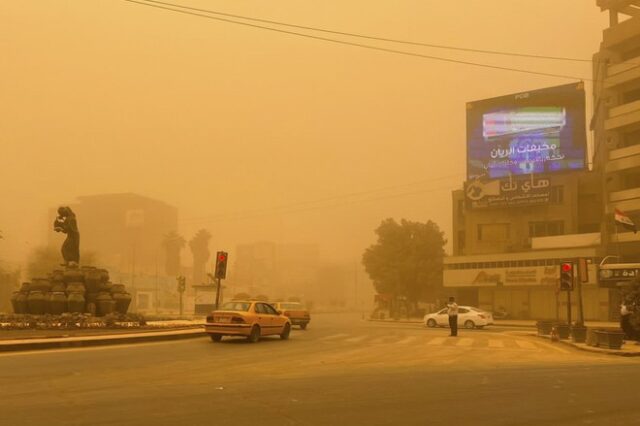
(420, 322)
(585, 348)
(101, 340)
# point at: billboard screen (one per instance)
(541, 131)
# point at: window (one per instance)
(494, 232)
(463, 311)
(269, 309)
(461, 241)
(461, 210)
(236, 306)
(632, 138)
(546, 229)
(631, 96)
(260, 308)
(556, 195)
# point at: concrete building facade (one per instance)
(616, 123)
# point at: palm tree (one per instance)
(199, 246)
(172, 243)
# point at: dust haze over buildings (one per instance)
(227, 123)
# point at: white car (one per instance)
(468, 317)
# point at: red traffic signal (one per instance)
(221, 264)
(566, 276)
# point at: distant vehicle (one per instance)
(296, 312)
(251, 319)
(468, 317)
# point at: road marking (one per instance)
(525, 344)
(406, 340)
(437, 341)
(356, 339)
(334, 336)
(465, 341)
(493, 343)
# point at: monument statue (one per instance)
(66, 223)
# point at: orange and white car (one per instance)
(251, 319)
(297, 313)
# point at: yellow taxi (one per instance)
(251, 319)
(297, 314)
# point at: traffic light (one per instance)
(182, 284)
(566, 276)
(221, 264)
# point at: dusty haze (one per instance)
(229, 123)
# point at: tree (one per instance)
(406, 261)
(199, 246)
(172, 243)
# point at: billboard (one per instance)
(541, 131)
(512, 192)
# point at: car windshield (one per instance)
(235, 306)
(290, 306)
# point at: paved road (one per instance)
(342, 371)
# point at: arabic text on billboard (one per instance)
(541, 131)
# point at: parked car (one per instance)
(296, 312)
(251, 319)
(468, 317)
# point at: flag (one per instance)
(625, 221)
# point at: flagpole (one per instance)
(617, 241)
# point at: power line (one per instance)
(347, 202)
(284, 209)
(364, 46)
(377, 38)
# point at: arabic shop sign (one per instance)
(617, 275)
(546, 276)
(508, 192)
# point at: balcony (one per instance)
(623, 159)
(623, 115)
(622, 35)
(566, 241)
(627, 194)
(625, 72)
(627, 206)
(624, 237)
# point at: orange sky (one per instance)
(219, 119)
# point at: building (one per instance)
(530, 203)
(508, 257)
(616, 124)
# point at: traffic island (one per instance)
(27, 340)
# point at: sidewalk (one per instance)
(28, 339)
(501, 323)
(629, 348)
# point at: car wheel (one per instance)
(303, 326)
(431, 323)
(469, 324)
(285, 332)
(216, 337)
(255, 334)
